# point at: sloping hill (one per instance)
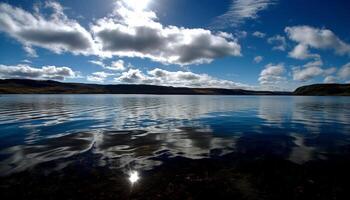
(324, 90)
(24, 86)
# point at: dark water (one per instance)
(176, 147)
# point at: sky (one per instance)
(236, 44)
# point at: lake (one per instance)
(174, 147)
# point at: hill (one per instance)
(324, 90)
(26, 86)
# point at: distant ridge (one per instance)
(26, 86)
(324, 90)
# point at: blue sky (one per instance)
(249, 44)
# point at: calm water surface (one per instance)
(202, 136)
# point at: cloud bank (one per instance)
(125, 32)
(46, 72)
(178, 78)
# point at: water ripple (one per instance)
(123, 130)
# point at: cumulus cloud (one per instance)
(136, 33)
(315, 63)
(258, 59)
(329, 71)
(311, 70)
(272, 75)
(310, 37)
(134, 76)
(279, 42)
(240, 11)
(305, 74)
(46, 72)
(56, 32)
(330, 79)
(117, 65)
(98, 76)
(126, 32)
(178, 78)
(259, 34)
(301, 52)
(344, 72)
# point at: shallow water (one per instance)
(164, 138)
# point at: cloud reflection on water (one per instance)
(126, 130)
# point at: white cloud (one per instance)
(134, 33)
(310, 37)
(259, 34)
(305, 74)
(134, 76)
(26, 61)
(272, 75)
(311, 70)
(301, 52)
(126, 32)
(97, 62)
(178, 78)
(242, 10)
(279, 42)
(258, 59)
(330, 79)
(317, 63)
(46, 72)
(344, 72)
(329, 71)
(115, 65)
(98, 76)
(56, 32)
(30, 51)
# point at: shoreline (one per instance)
(27, 86)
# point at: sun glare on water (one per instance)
(133, 177)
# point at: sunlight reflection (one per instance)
(133, 177)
